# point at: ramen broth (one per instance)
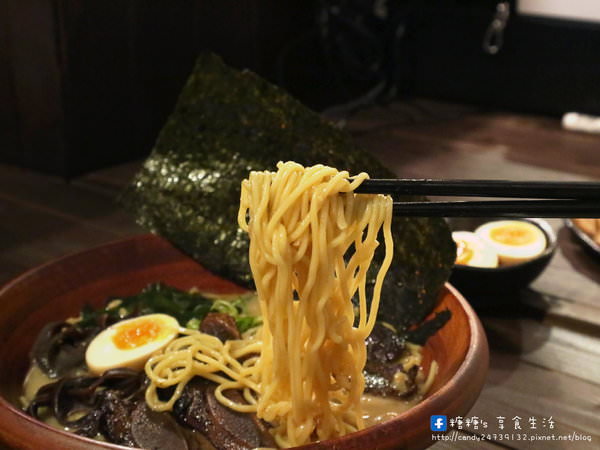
(376, 409)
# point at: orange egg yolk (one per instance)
(464, 253)
(512, 235)
(136, 333)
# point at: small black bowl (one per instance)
(475, 281)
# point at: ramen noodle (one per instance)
(312, 241)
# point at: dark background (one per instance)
(88, 84)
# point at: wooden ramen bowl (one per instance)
(59, 289)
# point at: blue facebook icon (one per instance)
(439, 423)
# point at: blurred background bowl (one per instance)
(59, 289)
(590, 246)
(475, 282)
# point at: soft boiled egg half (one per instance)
(515, 241)
(473, 251)
(130, 343)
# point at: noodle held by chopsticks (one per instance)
(312, 241)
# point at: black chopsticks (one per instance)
(501, 208)
(546, 198)
(483, 188)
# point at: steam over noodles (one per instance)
(311, 242)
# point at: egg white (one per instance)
(483, 254)
(510, 254)
(102, 354)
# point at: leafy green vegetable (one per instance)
(244, 323)
(155, 298)
(194, 323)
(189, 308)
(227, 123)
(237, 308)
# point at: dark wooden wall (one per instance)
(88, 83)
(545, 66)
(85, 84)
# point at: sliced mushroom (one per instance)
(60, 347)
(156, 430)
(220, 325)
(199, 409)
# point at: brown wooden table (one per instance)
(545, 354)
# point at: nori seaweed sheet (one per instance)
(229, 122)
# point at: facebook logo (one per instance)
(439, 423)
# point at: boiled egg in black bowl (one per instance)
(499, 256)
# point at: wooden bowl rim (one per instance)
(476, 352)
